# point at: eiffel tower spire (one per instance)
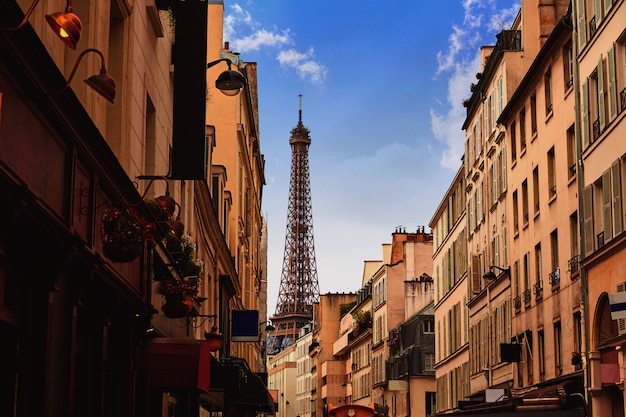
(299, 287)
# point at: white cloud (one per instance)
(461, 61)
(304, 64)
(259, 39)
(245, 34)
(447, 127)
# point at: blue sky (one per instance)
(382, 86)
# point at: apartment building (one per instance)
(449, 226)
(328, 371)
(543, 218)
(600, 77)
(93, 315)
(281, 376)
(502, 127)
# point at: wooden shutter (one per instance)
(607, 221)
(601, 105)
(582, 24)
(585, 114)
(588, 220)
(475, 273)
(607, 5)
(612, 102)
(597, 10)
(616, 183)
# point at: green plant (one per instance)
(183, 252)
(363, 317)
(122, 226)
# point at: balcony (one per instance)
(517, 304)
(554, 278)
(592, 27)
(573, 267)
(596, 130)
(538, 290)
(526, 296)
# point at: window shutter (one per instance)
(607, 221)
(585, 115)
(617, 197)
(582, 24)
(503, 179)
(475, 272)
(588, 220)
(612, 84)
(597, 10)
(601, 105)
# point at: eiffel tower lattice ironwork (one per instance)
(299, 287)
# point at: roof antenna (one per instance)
(300, 111)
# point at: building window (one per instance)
(430, 403)
(536, 190)
(568, 65)
(522, 130)
(547, 87)
(571, 152)
(515, 214)
(554, 252)
(429, 362)
(513, 142)
(541, 354)
(573, 228)
(551, 173)
(533, 115)
(429, 326)
(558, 351)
(538, 287)
(524, 203)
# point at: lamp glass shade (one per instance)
(103, 84)
(230, 82)
(214, 341)
(67, 26)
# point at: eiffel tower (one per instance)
(299, 287)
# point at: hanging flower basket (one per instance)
(122, 251)
(122, 235)
(177, 305)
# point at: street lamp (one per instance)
(229, 82)
(268, 326)
(66, 24)
(491, 275)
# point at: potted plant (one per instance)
(179, 295)
(122, 235)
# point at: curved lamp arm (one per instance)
(101, 83)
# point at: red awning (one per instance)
(177, 364)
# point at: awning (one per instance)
(177, 364)
(242, 388)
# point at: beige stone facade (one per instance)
(601, 79)
(449, 228)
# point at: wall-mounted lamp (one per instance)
(491, 275)
(214, 339)
(102, 83)
(268, 326)
(66, 25)
(229, 82)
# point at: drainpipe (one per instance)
(581, 221)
